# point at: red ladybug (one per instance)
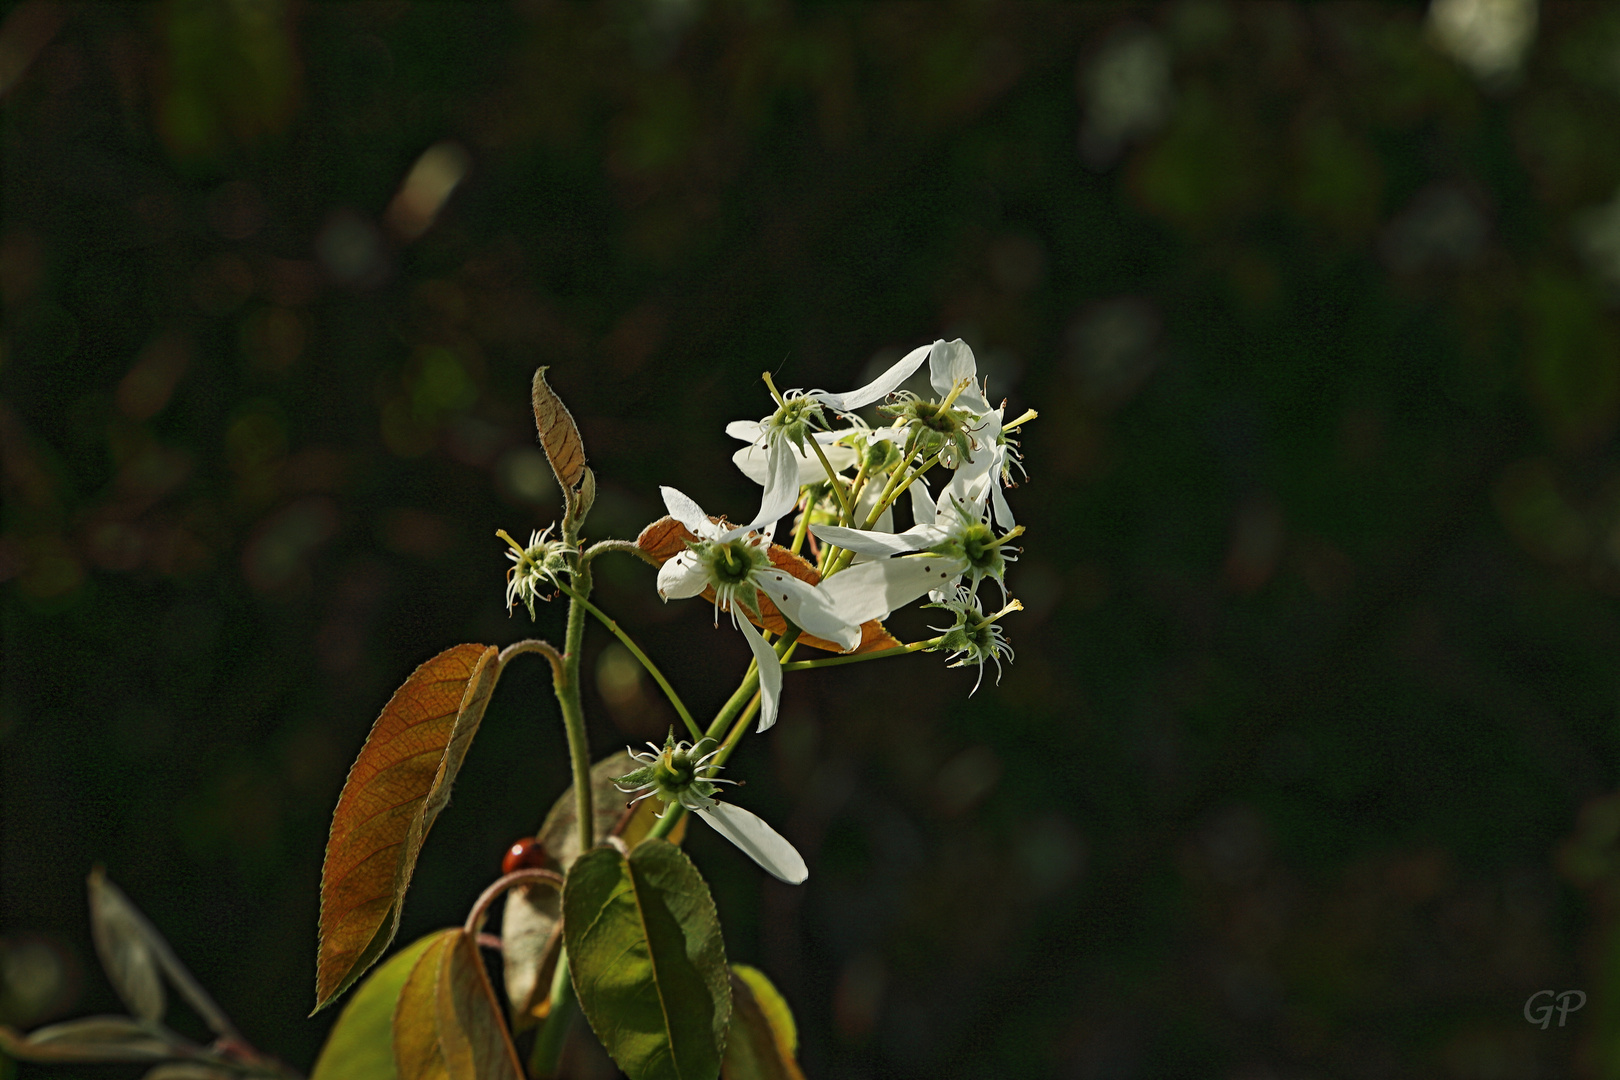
(527, 854)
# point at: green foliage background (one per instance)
(1303, 766)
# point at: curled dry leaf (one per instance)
(395, 790)
(666, 538)
(559, 435)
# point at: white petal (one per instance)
(754, 462)
(922, 503)
(781, 488)
(680, 577)
(810, 608)
(758, 841)
(688, 513)
(746, 430)
(878, 387)
(998, 501)
(864, 542)
(872, 590)
(949, 361)
(770, 671)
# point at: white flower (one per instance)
(973, 637)
(676, 772)
(927, 558)
(735, 564)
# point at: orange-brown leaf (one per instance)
(395, 790)
(472, 1035)
(666, 538)
(416, 1026)
(559, 435)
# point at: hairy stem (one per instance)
(620, 547)
(573, 713)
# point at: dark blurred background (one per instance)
(1304, 768)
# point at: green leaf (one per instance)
(771, 1002)
(529, 919)
(133, 953)
(472, 1035)
(122, 942)
(648, 962)
(763, 1037)
(361, 1044)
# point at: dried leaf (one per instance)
(529, 945)
(395, 790)
(666, 538)
(472, 1035)
(415, 1024)
(361, 1043)
(447, 1025)
(90, 1039)
(127, 941)
(648, 961)
(763, 1039)
(559, 834)
(559, 435)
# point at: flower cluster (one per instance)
(842, 478)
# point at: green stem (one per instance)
(635, 650)
(803, 527)
(548, 1044)
(832, 478)
(857, 486)
(746, 695)
(573, 713)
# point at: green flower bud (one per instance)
(675, 772)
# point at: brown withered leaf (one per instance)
(666, 538)
(472, 1035)
(447, 1025)
(395, 790)
(416, 1025)
(559, 435)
